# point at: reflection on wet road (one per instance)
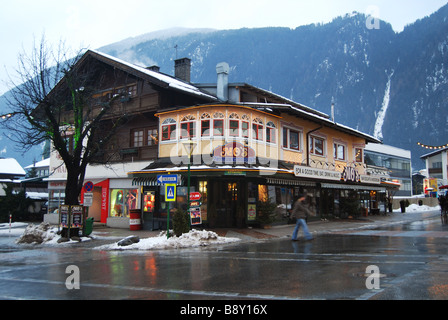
(412, 261)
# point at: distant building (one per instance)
(392, 164)
(10, 172)
(39, 169)
(436, 168)
(36, 183)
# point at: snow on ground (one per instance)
(46, 234)
(417, 208)
(15, 230)
(195, 238)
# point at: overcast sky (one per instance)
(95, 23)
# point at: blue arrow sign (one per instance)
(167, 178)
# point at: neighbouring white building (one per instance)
(392, 163)
(436, 168)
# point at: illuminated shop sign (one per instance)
(350, 174)
(234, 152)
(314, 173)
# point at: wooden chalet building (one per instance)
(251, 147)
(144, 92)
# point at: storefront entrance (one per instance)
(227, 199)
(148, 209)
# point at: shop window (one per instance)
(55, 199)
(152, 137)
(168, 130)
(245, 120)
(218, 124)
(129, 91)
(263, 194)
(232, 188)
(188, 130)
(122, 201)
(234, 128)
(245, 129)
(270, 132)
(188, 127)
(257, 129)
(203, 191)
(234, 125)
(144, 137)
(339, 152)
(205, 128)
(317, 146)
(132, 90)
(137, 138)
(218, 127)
(149, 200)
(359, 155)
(291, 139)
(205, 125)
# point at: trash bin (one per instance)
(135, 220)
(88, 226)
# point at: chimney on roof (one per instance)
(222, 86)
(182, 69)
(154, 68)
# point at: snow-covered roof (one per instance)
(186, 87)
(169, 81)
(41, 164)
(11, 167)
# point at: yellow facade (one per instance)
(276, 137)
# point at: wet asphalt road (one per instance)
(411, 259)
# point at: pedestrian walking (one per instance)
(301, 213)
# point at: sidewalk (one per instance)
(285, 231)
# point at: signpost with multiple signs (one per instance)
(169, 181)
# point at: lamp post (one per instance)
(189, 148)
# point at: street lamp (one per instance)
(189, 148)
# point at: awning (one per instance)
(152, 181)
(291, 182)
(350, 187)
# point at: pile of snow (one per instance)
(43, 233)
(195, 238)
(39, 234)
(417, 208)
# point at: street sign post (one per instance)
(195, 196)
(170, 196)
(88, 186)
(170, 193)
(88, 199)
(167, 179)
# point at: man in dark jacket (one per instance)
(301, 213)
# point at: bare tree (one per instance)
(54, 99)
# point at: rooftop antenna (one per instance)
(175, 47)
